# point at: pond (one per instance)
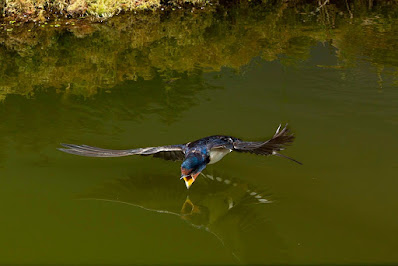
(160, 78)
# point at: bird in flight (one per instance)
(198, 154)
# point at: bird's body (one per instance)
(218, 154)
(216, 146)
(197, 154)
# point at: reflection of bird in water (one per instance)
(227, 208)
(197, 154)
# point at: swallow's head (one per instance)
(192, 167)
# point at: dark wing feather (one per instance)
(171, 152)
(278, 142)
(170, 155)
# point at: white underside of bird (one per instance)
(217, 154)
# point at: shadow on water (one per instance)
(229, 209)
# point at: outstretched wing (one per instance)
(278, 142)
(171, 152)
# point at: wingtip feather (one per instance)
(277, 130)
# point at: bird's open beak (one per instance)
(189, 179)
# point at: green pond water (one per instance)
(169, 78)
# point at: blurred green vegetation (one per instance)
(74, 57)
(41, 10)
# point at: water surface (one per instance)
(144, 80)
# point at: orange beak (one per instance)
(190, 179)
